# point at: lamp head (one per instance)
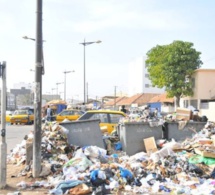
(25, 37)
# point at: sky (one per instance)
(128, 29)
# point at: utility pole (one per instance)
(38, 92)
(3, 144)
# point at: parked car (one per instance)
(8, 116)
(108, 118)
(22, 117)
(70, 114)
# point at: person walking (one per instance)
(83, 107)
(123, 109)
(49, 113)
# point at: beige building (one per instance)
(204, 91)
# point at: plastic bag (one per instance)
(81, 164)
(200, 159)
(94, 151)
(125, 173)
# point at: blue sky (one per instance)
(127, 29)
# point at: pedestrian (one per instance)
(123, 109)
(83, 107)
(49, 113)
(156, 112)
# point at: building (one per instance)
(139, 78)
(203, 89)
(203, 98)
(23, 85)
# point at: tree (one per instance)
(171, 65)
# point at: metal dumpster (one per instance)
(84, 133)
(173, 130)
(132, 134)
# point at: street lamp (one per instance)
(85, 44)
(57, 86)
(65, 72)
(42, 56)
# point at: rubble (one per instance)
(176, 168)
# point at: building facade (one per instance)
(139, 78)
(203, 88)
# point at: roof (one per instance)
(112, 102)
(162, 98)
(204, 70)
(140, 99)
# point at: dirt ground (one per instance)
(13, 179)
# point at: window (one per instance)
(103, 118)
(147, 75)
(65, 113)
(193, 82)
(146, 85)
(194, 103)
(71, 112)
(115, 118)
(185, 103)
(146, 65)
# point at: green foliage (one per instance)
(169, 65)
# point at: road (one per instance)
(15, 134)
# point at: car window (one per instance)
(77, 113)
(20, 112)
(103, 118)
(71, 112)
(30, 112)
(115, 118)
(64, 113)
(95, 116)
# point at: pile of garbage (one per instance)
(176, 168)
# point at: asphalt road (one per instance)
(15, 135)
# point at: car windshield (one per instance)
(104, 117)
(20, 112)
(70, 112)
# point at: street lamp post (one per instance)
(65, 72)
(38, 91)
(57, 86)
(42, 56)
(85, 44)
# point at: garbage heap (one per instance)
(176, 168)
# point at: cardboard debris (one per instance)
(209, 152)
(183, 114)
(150, 145)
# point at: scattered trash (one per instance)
(173, 167)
